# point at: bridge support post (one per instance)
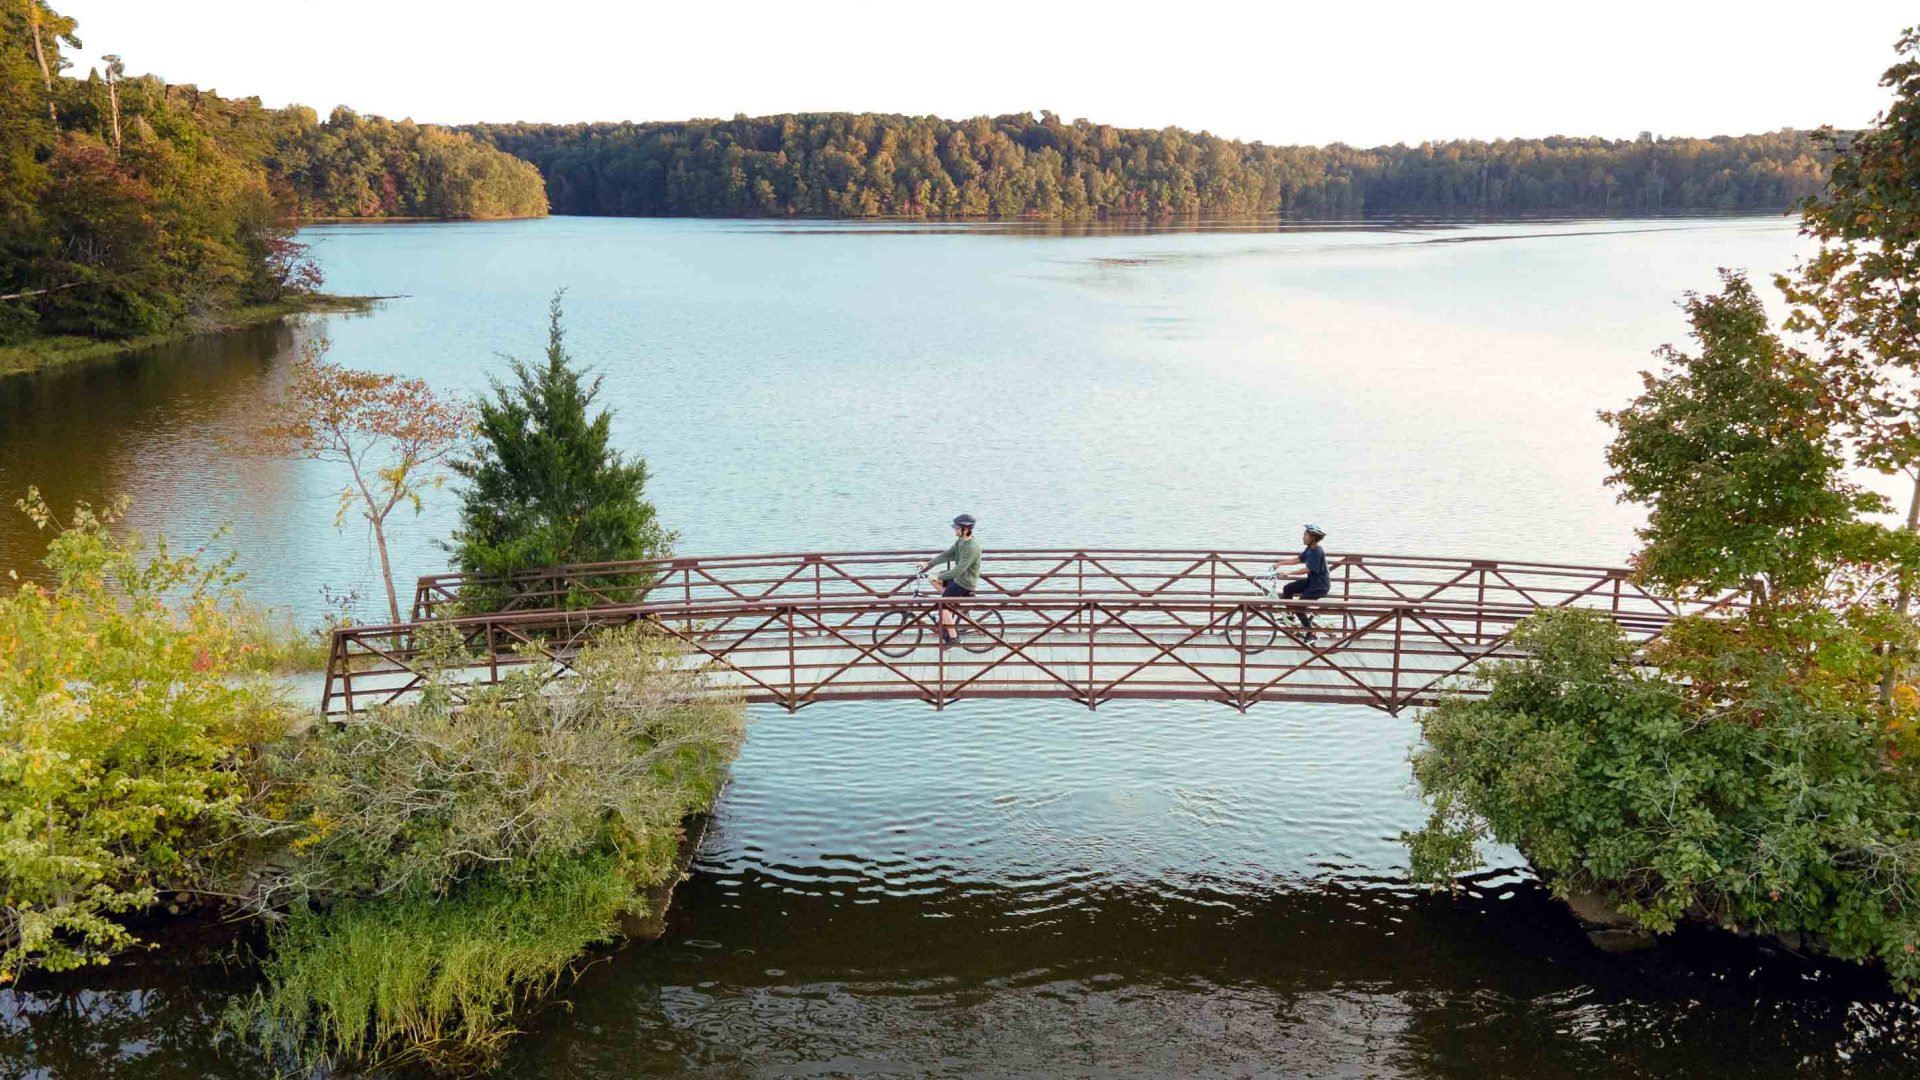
(793, 666)
(1088, 610)
(1240, 684)
(1393, 684)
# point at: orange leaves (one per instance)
(328, 410)
(391, 433)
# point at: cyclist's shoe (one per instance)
(1312, 638)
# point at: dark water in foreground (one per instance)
(1019, 888)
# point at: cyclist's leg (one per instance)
(1295, 590)
(947, 632)
(1306, 617)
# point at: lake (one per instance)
(1006, 888)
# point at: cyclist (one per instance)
(1314, 581)
(964, 576)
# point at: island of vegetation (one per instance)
(863, 165)
(133, 210)
(1757, 768)
(415, 876)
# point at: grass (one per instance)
(276, 645)
(38, 354)
(432, 980)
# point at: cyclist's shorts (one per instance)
(1298, 589)
(953, 589)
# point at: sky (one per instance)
(1281, 72)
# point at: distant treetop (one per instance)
(874, 165)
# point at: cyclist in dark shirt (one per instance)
(1313, 580)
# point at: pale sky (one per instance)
(1361, 73)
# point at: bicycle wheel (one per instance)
(982, 629)
(898, 633)
(1251, 631)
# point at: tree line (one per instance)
(352, 166)
(131, 206)
(876, 165)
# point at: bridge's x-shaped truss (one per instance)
(1088, 626)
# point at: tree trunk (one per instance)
(41, 292)
(386, 567)
(1904, 598)
(40, 54)
(113, 100)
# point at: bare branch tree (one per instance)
(394, 435)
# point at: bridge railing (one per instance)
(1207, 575)
(1085, 625)
(795, 652)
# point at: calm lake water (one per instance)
(1016, 888)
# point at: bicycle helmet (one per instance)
(1317, 531)
(964, 521)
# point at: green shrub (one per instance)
(18, 322)
(545, 487)
(1751, 783)
(125, 714)
(472, 850)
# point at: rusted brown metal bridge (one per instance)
(1085, 625)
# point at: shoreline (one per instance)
(48, 353)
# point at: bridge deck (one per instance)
(1084, 626)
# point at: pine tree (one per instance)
(544, 487)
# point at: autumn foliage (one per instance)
(393, 435)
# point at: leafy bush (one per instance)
(476, 848)
(125, 712)
(1750, 783)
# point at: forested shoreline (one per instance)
(132, 207)
(876, 165)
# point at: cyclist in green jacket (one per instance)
(963, 578)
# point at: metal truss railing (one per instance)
(1087, 626)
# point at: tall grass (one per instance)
(433, 980)
(273, 644)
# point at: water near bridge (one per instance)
(1008, 888)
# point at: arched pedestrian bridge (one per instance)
(1087, 626)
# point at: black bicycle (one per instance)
(898, 633)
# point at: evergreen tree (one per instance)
(545, 488)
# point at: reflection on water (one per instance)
(1001, 887)
(156, 428)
